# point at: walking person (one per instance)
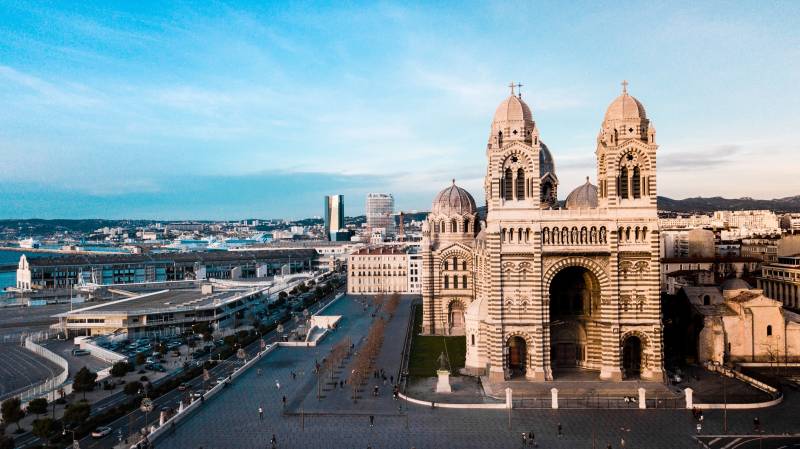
(284, 401)
(756, 424)
(560, 431)
(277, 384)
(371, 420)
(274, 442)
(532, 439)
(260, 413)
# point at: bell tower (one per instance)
(626, 155)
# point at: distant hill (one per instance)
(700, 204)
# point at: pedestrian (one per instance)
(532, 439)
(622, 442)
(284, 402)
(524, 439)
(756, 424)
(371, 420)
(260, 413)
(560, 433)
(274, 442)
(294, 376)
(277, 384)
(391, 379)
(699, 428)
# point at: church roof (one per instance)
(546, 164)
(513, 109)
(453, 201)
(625, 107)
(583, 197)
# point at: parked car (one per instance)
(196, 394)
(80, 352)
(100, 432)
(183, 386)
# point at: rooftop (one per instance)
(209, 256)
(164, 301)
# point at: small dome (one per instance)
(584, 197)
(735, 284)
(453, 201)
(513, 109)
(625, 107)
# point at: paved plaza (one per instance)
(231, 419)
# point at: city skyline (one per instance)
(225, 112)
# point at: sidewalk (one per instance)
(355, 325)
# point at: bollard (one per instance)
(688, 392)
(642, 398)
(554, 397)
(509, 398)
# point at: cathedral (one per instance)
(542, 291)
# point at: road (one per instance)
(135, 421)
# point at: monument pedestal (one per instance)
(443, 385)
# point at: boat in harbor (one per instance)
(29, 243)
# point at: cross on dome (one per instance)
(512, 85)
(624, 86)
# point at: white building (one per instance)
(380, 212)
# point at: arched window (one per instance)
(455, 281)
(500, 138)
(447, 282)
(473, 339)
(623, 183)
(445, 266)
(464, 265)
(520, 184)
(769, 330)
(464, 281)
(454, 226)
(508, 182)
(706, 300)
(636, 183)
(435, 226)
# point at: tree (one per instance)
(76, 413)
(132, 388)
(6, 442)
(12, 411)
(119, 369)
(84, 381)
(37, 406)
(43, 428)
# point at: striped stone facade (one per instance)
(552, 290)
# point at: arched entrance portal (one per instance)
(455, 318)
(632, 357)
(517, 355)
(574, 307)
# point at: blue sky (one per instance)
(257, 109)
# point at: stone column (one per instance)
(554, 397)
(642, 398)
(509, 398)
(688, 392)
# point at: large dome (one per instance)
(625, 107)
(546, 164)
(453, 201)
(513, 109)
(584, 197)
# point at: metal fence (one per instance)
(598, 402)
